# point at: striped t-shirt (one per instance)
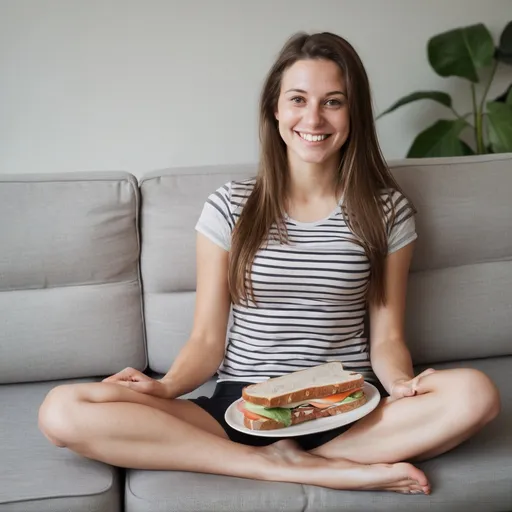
(310, 293)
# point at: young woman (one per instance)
(301, 253)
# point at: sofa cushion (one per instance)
(39, 477)
(473, 477)
(163, 491)
(463, 208)
(70, 291)
(459, 311)
(171, 205)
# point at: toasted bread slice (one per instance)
(317, 382)
(304, 414)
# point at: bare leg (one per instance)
(110, 423)
(455, 405)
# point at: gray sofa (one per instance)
(97, 273)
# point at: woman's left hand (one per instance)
(403, 388)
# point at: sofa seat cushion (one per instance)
(36, 476)
(475, 476)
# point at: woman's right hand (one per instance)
(136, 380)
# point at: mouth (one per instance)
(313, 138)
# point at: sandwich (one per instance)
(304, 395)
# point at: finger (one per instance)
(114, 378)
(426, 372)
(414, 384)
(419, 380)
(119, 383)
(409, 391)
(402, 390)
(126, 374)
(117, 376)
(140, 377)
(148, 388)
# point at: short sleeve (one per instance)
(402, 229)
(216, 221)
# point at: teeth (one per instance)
(312, 138)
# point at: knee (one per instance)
(56, 415)
(477, 395)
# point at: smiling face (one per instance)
(312, 112)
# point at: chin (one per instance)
(309, 158)
(315, 161)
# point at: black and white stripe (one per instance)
(310, 293)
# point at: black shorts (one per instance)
(227, 392)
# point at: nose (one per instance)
(313, 115)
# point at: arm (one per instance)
(202, 355)
(390, 357)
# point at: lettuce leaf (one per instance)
(274, 413)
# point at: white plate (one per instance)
(235, 418)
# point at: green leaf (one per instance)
(499, 117)
(274, 413)
(439, 96)
(504, 50)
(461, 52)
(440, 139)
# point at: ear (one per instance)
(276, 115)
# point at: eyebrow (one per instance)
(302, 91)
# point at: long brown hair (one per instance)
(362, 172)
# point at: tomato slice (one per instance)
(328, 401)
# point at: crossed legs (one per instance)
(119, 426)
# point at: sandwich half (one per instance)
(304, 395)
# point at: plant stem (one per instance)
(478, 122)
(486, 90)
(484, 96)
(457, 115)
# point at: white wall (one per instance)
(148, 84)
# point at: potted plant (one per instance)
(469, 53)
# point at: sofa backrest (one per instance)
(70, 291)
(172, 201)
(459, 302)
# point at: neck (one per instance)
(309, 182)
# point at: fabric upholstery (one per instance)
(171, 204)
(36, 476)
(70, 292)
(459, 287)
(70, 307)
(463, 208)
(474, 477)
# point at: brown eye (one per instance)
(297, 99)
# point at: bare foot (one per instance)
(289, 463)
